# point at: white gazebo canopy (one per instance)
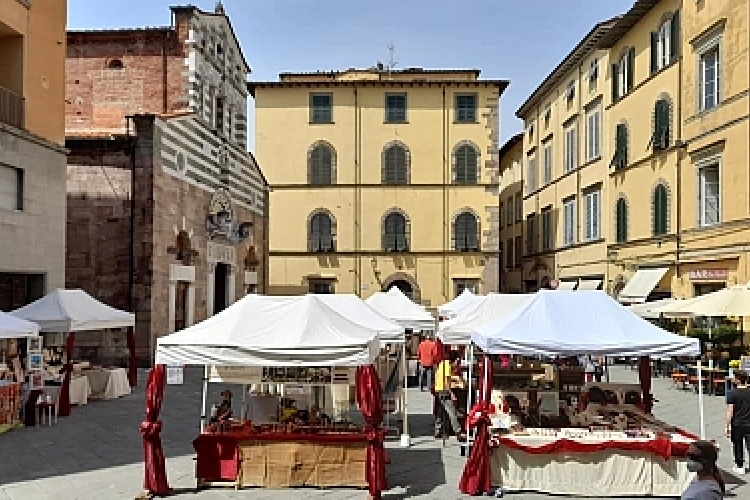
(14, 328)
(571, 323)
(260, 330)
(450, 309)
(396, 306)
(66, 311)
(358, 311)
(483, 309)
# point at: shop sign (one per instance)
(236, 374)
(709, 274)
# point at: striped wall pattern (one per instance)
(191, 151)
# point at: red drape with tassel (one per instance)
(155, 478)
(132, 363)
(370, 402)
(64, 404)
(644, 374)
(477, 475)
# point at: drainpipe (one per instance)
(357, 195)
(680, 146)
(446, 172)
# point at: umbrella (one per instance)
(734, 301)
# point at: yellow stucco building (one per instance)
(511, 214)
(675, 183)
(381, 178)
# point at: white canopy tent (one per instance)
(457, 330)
(450, 309)
(14, 328)
(260, 330)
(362, 313)
(73, 311)
(570, 323)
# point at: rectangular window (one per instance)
(547, 229)
(531, 179)
(321, 286)
(471, 285)
(708, 78)
(466, 108)
(569, 221)
(395, 108)
(509, 260)
(709, 194)
(593, 215)
(593, 134)
(219, 115)
(519, 251)
(531, 235)
(11, 188)
(321, 108)
(510, 216)
(519, 207)
(548, 162)
(571, 150)
(502, 214)
(593, 75)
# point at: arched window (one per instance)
(466, 168)
(661, 137)
(621, 221)
(321, 165)
(321, 233)
(395, 165)
(115, 64)
(466, 233)
(660, 209)
(395, 234)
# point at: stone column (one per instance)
(172, 304)
(231, 283)
(190, 313)
(210, 289)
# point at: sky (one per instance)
(520, 41)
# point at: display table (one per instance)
(591, 467)
(281, 460)
(107, 383)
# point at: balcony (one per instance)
(12, 108)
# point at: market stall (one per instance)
(309, 340)
(610, 445)
(12, 372)
(71, 311)
(452, 308)
(399, 308)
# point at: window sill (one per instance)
(465, 122)
(321, 123)
(650, 156)
(395, 122)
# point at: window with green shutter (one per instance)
(621, 220)
(395, 165)
(661, 137)
(660, 210)
(620, 158)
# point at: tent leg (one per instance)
(700, 401)
(606, 368)
(204, 398)
(405, 438)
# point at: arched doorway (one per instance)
(404, 286)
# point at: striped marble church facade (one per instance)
(167, 210)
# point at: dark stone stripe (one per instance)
(188, 147)
(191, 174)
(169, 164)
(168, 149)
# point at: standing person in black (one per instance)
(738, 420)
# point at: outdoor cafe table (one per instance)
(709, 374)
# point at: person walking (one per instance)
(426, 355)
(738, 420)
(589, 368)
(708, 483)
(446, 397)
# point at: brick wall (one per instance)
(151, 79)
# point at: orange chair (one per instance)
(679, 379)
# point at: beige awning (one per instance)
(589, 285)
(641, 285)
(567, 285)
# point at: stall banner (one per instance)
(236, 374)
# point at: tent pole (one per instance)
(204, 398)
(606, 368)
(405, 439)
(700, 401)
(710, 339)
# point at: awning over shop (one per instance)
(589, 285)
(641, 285)
(567, 285)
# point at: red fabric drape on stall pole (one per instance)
(155, 470)
(370, 402)
(132, 363)
(477, 475)
(644, 374)
(64, 405)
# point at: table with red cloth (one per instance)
(279, 459)
(598, 467)
(10, 403)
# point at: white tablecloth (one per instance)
(107, 383)
(80, 390)
(606, 473)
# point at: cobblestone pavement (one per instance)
(96, 453)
